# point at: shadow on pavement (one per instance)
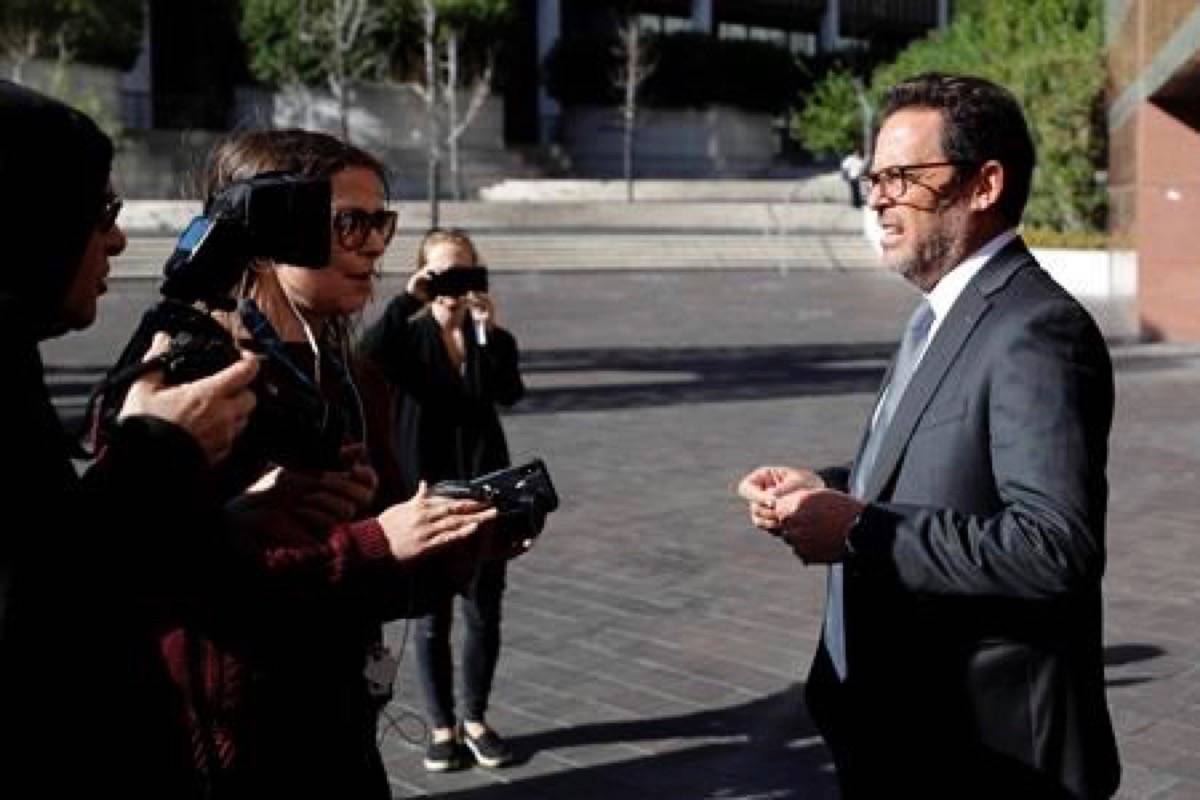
(1119, 655)
(690, 375)
(770, 749)
(1116, 655)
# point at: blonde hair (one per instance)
(454, 236)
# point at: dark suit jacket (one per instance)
(972, 592)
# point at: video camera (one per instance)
(457, 281)
(523, 496)
(277, 216)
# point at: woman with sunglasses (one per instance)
(279, 703)
(451, 364)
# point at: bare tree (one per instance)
(338, 30)
(445, 124)
(457, 125)
(19, 46)
(31, 29)
(430, 94)
(636, 66)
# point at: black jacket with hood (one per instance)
(91, 567)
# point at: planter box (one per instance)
(381, 117)
(717, 142)
(390, 123)
(1090, 273)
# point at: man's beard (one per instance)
(935, 256)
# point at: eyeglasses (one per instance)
(354, 225)
(109, 212)
(894, 182)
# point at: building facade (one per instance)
(801, 25)
(1154, 158)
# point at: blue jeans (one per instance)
(435, 663)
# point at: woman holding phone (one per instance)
(451, 365)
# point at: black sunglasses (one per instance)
(353, 225)
(109, 213)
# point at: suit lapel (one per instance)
(971, 307)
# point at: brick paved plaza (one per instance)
(655, 644)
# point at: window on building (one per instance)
(650, 23)
(801, 43)
(676, 24)
(732, 30)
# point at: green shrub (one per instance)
(394, 46)
(1071, 240)
(1050, 54)
(830, 123)
(270, 29)
(105, 32)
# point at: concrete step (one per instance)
(816, 185)
(518, 252)
(573, 213)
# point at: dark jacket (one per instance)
(89, 568)
(972, 594)
(446, 424)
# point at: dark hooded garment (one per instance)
(54, 169)
(89, 567)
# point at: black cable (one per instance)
(88, 441)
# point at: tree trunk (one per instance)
(338, 88)
(452, 112)
(633, 63)
(431, 99)
(337, 76)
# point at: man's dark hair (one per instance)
(981, 121)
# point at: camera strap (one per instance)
(263, 332)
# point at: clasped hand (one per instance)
(795, 505)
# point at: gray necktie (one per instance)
(907, 358)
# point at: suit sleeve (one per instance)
(1049, 401)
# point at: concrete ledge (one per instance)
(169, 217)
(818, 185)
(1090, 273)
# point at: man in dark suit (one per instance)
(961, 652)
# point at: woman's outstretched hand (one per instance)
(426, 523)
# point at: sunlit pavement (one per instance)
(655, 644)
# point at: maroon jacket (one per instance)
(275, 697)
